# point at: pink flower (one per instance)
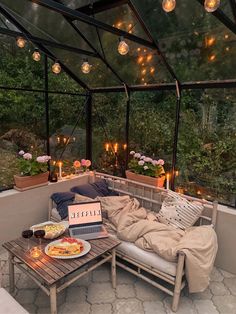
(148, 159)
(21, 153)
(154, 162)
(27, 156)
(141, 162)
(76, 164)
(160, 162)
(142, 157)
(87, 163)
(83, 162)
(137, 155)
(132, 152)
(43, 159)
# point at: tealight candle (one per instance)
(60, 170)
(107, 147)
(116, 148)
(35, 252)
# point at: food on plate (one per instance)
(66, 247)
(52, 231)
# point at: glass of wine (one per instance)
(27, 234)
(36, 251)
(39, 234)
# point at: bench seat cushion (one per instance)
(151, 259)
(8, 305)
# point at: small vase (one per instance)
(23, 183)
(158, 182)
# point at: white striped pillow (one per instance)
(178, 212)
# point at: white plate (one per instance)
(86, 245)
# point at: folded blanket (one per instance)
(62, 200)
(134, 224)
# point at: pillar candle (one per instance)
(60, 169)
(167, 181)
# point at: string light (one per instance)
(86, 67)
(212, 57)
(140, 59)
(56, 68)
(168, 5)
(210, 41)
(149, 58)
(36, 55)
(20, 41)
(123, 48)
(211, 5)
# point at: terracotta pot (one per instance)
(29, 182)
(158, 182)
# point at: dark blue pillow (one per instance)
(62, 200)
(101, 187)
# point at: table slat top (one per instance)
(51, 270)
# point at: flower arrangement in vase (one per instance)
(33, 171)
(81, 166)
(146, 170)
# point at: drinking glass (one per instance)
(39, 234)
(27, 234)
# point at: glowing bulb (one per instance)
(123, 48)
(226, 36)
(56, 68)
(212, 57)
(36, 55)
(210, 41)
(86, 67)
(211, 5)
(20, 42)
(168, 5)
(152, 70)
(149, 58)
(140, 59)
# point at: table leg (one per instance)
(53, 299)
(11, 271)
(113, 268)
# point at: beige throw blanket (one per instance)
(135, 224)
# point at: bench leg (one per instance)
(11, 272)
(113, 269)
(53, 299)
(178, 282)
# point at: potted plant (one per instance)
(146, 170)
(33, 171)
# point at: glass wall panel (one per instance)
(152, 121)
(207, 145)
(109, 114)
(22, 127)
(67, 130)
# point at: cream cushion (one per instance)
(178, 212)
(8, 305)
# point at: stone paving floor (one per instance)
(93, 294)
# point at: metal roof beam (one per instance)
(45, 42)
(41, 47)
(73, 14)
(233, 7)
(101, 6)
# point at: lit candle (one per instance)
(107, 147)
(60, 169)
(167, 181)
(35, 252)
(176, 173)
(116, 148)
(125, 146)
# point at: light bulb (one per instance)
(36, 55)
(56, 68)
(168, 5)
(211, 5)
(123, 48)
(86, 67)
(20, 41)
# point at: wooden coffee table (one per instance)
(50, 274)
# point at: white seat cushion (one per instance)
(151, 259)
(8, 305)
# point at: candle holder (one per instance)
(36, 252)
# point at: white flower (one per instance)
(21, 153)
(141, 162)
(137, 155)
(142, 157)
(132, 152)
(27, 156)
(145, 168)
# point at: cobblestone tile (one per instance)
(75, 308)
(26, 296)
(128, 306)
(205, 295)
(5, 280)
(231, 285)
(186, 306)
(101, 275)
(205, 306)
(44, 310)
(218, 288)
(101, 293)
(226, 274)
(31, 308)
(76, 295)
(101, 309)
(146, 292)
(216, 275)
(3, 255)
(42, 300)
(225, 304)
(125, 277)
(83, 281)
(151, 307)
(26, 282)
(125, 291)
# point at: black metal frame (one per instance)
(86, 15)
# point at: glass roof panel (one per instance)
(196, 44)
(99, 76)
(44, 23)
(140, 66)
(4, 23)
(75, 4)
(226, 8)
